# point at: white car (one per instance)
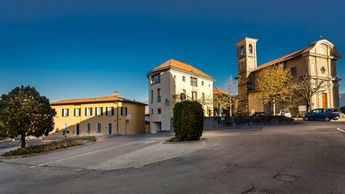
(284, 113)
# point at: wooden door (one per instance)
(324, 100)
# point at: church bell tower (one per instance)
(247, 62)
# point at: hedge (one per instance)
(188, 120)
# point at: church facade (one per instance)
(318, 61)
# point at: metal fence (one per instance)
(226, 122)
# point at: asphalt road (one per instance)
(301, 158)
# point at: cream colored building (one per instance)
(172, 82)
(318, 60)
(108, 115)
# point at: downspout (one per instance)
(117, 117)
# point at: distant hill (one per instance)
(342, 100)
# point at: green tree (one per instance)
(24, 112)
(188, 120)
(274, 85)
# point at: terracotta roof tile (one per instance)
(175, 64)
(217, 91)
(94, 100)
(285, 57)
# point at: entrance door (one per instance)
(110, 128)
(324, 100)
(78, 129)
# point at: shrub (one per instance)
(188, 120)
(66, 143)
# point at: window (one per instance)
(294, 71)
(110, 111)
(151, 96)
(159, 111)
(99, 111)
(98, 129)
(183, 95)
(123, 111)
(203, 97)
(156, 79)
(193, 81)
(65, 112)
(77, 112)
(184, 78)
(202, 83)
(152, 111)
(159, 95)
(251, 48)
(194, 95)
(242, 51)
(88, 127)
(88, 111)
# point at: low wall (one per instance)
(225, 122)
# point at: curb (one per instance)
(42, 153)
(341, 130)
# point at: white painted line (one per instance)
(342, 130)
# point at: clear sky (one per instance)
(88, 48)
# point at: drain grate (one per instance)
(285, 177)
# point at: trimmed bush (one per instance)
(66, 143)
(188, 120)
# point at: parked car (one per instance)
(326, 114)
(284, 113)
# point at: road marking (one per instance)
(342, 130)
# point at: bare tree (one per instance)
(226, 98)
(307, 86)
(231, 89)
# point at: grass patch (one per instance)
(66, 143)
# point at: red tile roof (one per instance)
(285, 57)
(94, 100)
(178, 65)
(217, 91)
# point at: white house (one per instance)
(172, 82)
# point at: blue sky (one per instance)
(84, 48)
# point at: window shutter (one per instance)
(67, 112)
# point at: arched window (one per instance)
(250, 48)
(242, 51)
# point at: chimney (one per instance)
(116, 94)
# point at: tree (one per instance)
(231, 89)
(226, 98)
(306, 87)
(24, 112)
(188, 120)
(274, 85)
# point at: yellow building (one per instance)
(108, 115)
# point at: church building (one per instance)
(318, 61)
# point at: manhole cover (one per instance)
(285, 177)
